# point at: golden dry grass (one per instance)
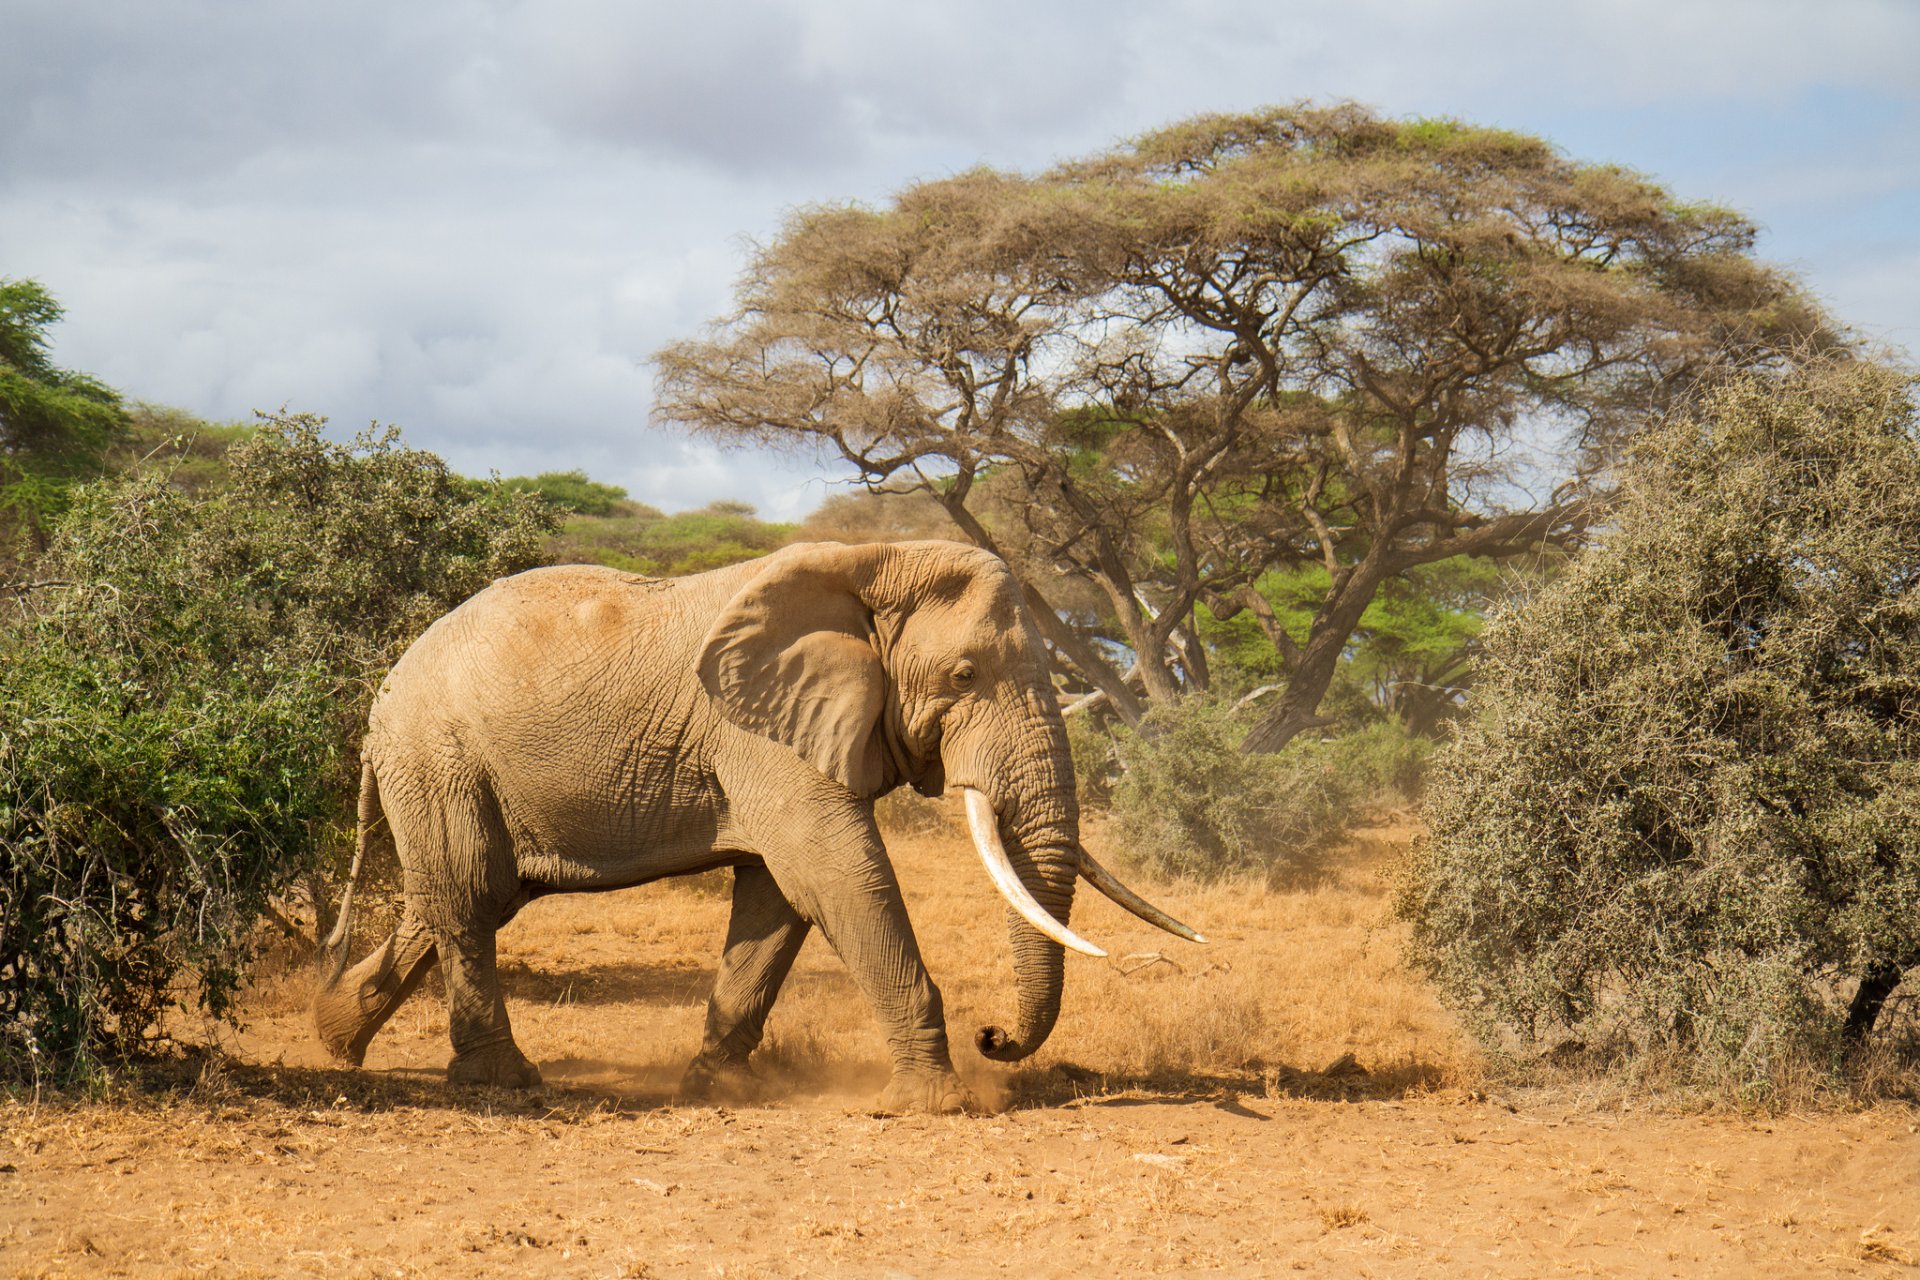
(608, 991)
(1288, 1099)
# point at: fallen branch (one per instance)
(1125, 967)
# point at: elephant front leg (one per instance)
(763, 937)
(868, 928)
(826, 856)
(483, 1047)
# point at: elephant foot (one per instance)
(500, 1063)
(928, 1092)
(720, 1080)
(339, 1016)
(344, 1045)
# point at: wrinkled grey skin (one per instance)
(579, 728)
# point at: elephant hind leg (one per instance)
(483, 1047)
(350, 1011)
(763, 937)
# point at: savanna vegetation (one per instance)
(55, 425)
(1347, 463)
(1246, 367)
(181, 694)
(1681, 827)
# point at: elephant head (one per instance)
(919, 664)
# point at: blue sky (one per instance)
(476, 218)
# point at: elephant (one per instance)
(578, 728)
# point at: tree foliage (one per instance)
(641, 539)
(878, 516)
(1301, 337)
(1685, 816)
(571, 491)
(1410, 655)
(179, 708)
(55, 424)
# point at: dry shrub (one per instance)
(1188, 801)
(1877, 1244)
(1201, 1018)
(1683, 822)
(906, 812)
(1296, 977)
(1344, 1215)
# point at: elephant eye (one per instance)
(963, 676)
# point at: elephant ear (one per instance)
(791, 657)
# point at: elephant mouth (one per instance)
(925, 773)
(932, 781)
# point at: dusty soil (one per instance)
(1289, 1099)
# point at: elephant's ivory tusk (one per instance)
(1103, 880)
(985, 825)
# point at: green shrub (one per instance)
(1684, 818)
(178, 723)
(1187, 801)
(144, 825)
(640, 539)
(571, 491)
(1096, 758)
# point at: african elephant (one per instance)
(577, 728)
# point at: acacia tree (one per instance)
(1304, 336)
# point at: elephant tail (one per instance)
(333, 952)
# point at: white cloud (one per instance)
(478, 217)
(722, 83)
(1412, 54)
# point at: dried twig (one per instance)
(1126, 967)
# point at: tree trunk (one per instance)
(1307, 683)
(1875, 986)
(1097, 671)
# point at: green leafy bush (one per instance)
(143, 827)
(177, 722)
(571, 491)
(1683, 822)
(640, 539)
(1187, 801)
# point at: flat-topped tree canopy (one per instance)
(1308, 335)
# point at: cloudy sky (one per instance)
(477, 218)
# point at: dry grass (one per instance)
(1286, 1099)
(1293, 980)
(609, 990)
(1300, 994)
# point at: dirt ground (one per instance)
(1288, 1099)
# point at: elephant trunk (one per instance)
(1017, 774)
(1037, 875)
(1039, 963)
